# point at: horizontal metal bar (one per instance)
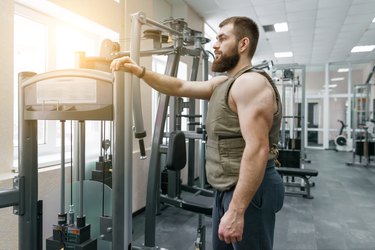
(188, 135)
(9, 197)
(162, 51)
(163, 27)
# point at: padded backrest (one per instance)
(176, 155)
(289, 158)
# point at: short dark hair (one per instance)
(244, 27)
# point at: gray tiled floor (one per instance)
(340, 217)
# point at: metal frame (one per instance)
(182, 37)
(290, 83)
(126, 107)
(362, 96)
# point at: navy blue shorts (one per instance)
(259, 217)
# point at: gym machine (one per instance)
(341, 141)
(363, 123)
(169, 144)
(182, 37)
(290, 80)
(77, 95)
(60, 95)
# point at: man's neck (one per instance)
(240, 65)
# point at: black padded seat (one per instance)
(303, 173)
(298, 172)
(176, 155)
(176, 161)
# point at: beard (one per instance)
(226, 62)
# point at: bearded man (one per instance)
(243, 123)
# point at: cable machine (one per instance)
(290, 79)
(77, 95)
(90, 93)
(168, 139)
(363, 123)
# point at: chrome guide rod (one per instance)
(62, 177)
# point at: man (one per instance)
(243, 123)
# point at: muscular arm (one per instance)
(253, 99)
(169, 85)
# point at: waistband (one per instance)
(270, 164)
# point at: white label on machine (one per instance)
(66, 90)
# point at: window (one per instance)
(159, 64)
(46, 42)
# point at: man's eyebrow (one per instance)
(220, 35)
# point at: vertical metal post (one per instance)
(202, 156)
(191, 142)
(303, 107)
(128, 154)
(75, 160)
(118, 163)
(283, 123)
(349, 127)
(81, 149)
(293, 117)
(154, 168)
(28, 168)
(326, 109)
(62, 177)
(203, 111)
(137, 20)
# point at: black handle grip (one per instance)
(142, 149)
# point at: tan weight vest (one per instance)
(225, 144)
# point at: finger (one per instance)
(221, 237)
(118, 64)
(228, 240)
(114, 65)
(235, 239)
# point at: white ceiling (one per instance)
(320, 31)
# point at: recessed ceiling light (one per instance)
(337, 79)
(373, 20)
(365, 48)
(341, 70)
(332, 86)
(281, 27)
(269, 28)
(283, 54)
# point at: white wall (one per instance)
(156, 10)
(105, 12)
(6, 85)
(111, 15)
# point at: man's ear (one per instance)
(244, 44)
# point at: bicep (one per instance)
(255, 106)
(201, 89)
(255, 121)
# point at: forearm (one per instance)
(252, 170)
(167, 84)
(163, 83)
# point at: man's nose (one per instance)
(216, 45)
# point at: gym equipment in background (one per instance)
(290, 81)
(363, 123)
(78, 95)
(168, 121)
(296, 177)
(341, 141)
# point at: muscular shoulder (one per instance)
(217, 80)
(251, 85)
